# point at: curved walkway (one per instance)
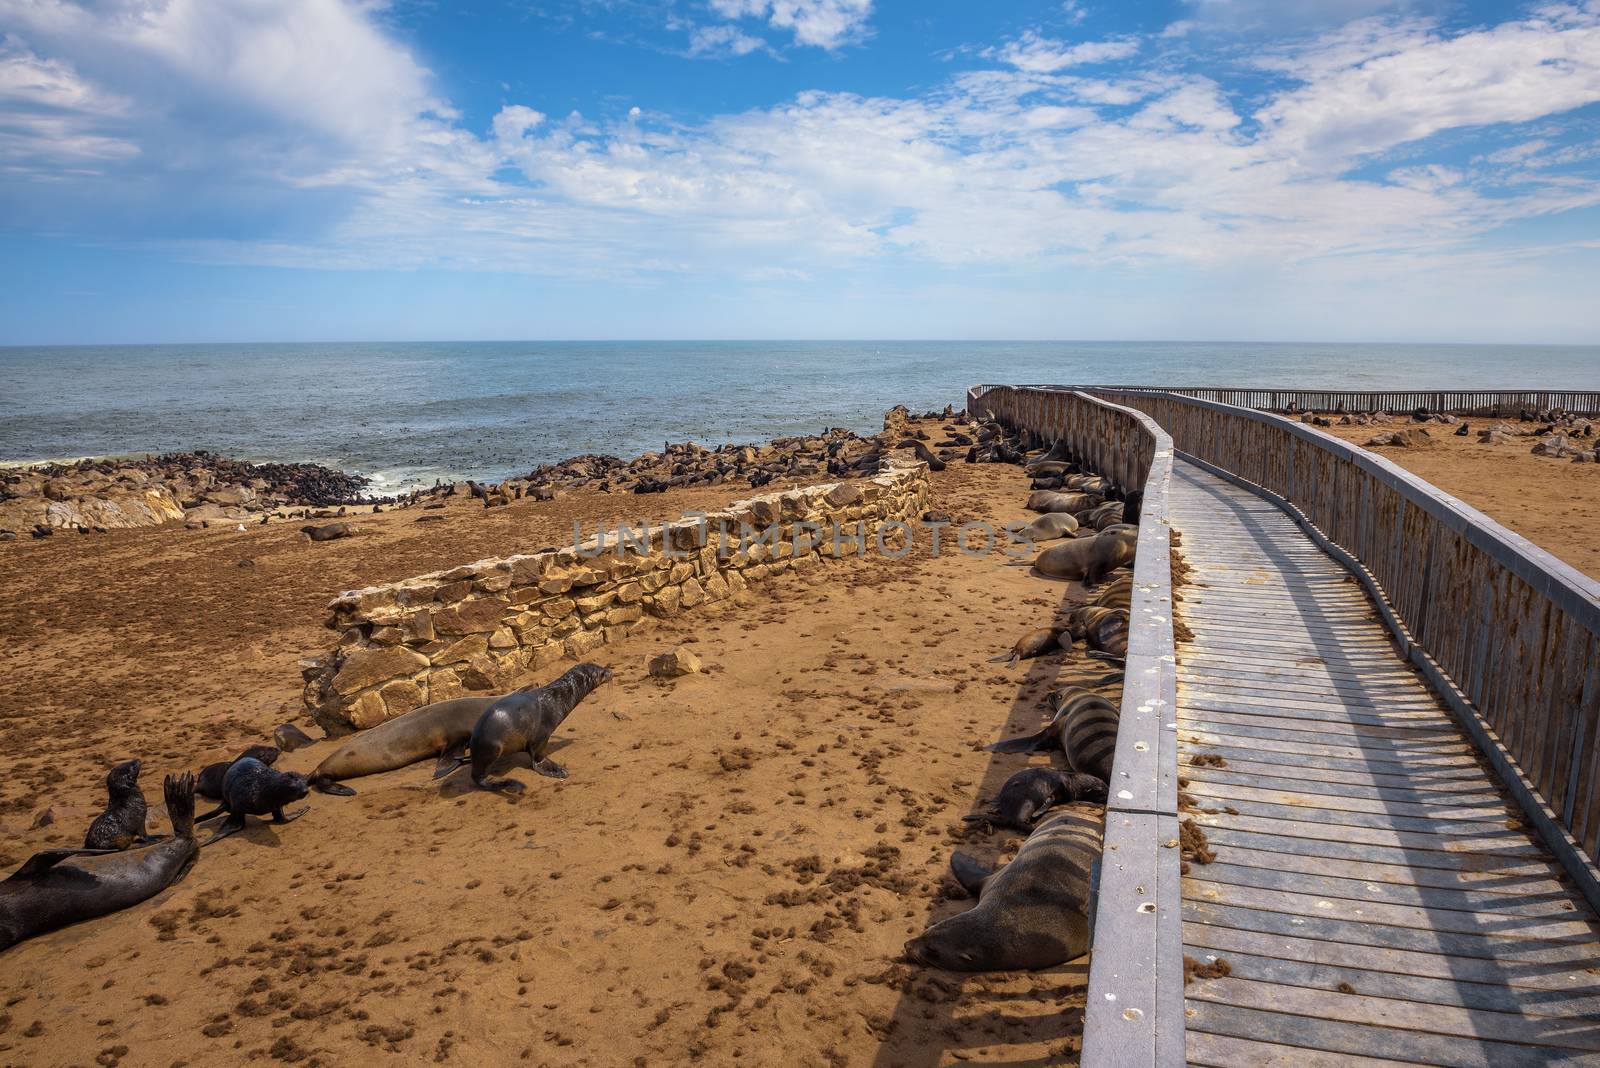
(1373, 892)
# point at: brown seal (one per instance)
(1051, 501)
(1048, 527)
(56, 887)
(1032, 913)
(439, 730)
(1035, 643)
(1087, 559)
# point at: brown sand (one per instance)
(1553, 503)
(728, 875)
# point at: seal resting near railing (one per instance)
(56, 887)
(1040, 642)
(1033, 913)
(1048, 527)
(1084, 728)
(1028, 794)
(1087, 559)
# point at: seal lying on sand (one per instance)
(56, 887)
(122, 823)
(524, 721)
(250, 788)
(289, 737)
(208, 784)
(1032, 913)
(1035, 643)
(1084, 728)
(329, 532)
(438, 730)
(1051, 501)
(1104, 629)
(1027, 794)
(1087, 559)
(1048, 527)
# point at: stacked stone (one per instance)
(480, 625)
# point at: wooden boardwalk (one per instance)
(1374, 893)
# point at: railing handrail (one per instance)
(1134, 1013)
(1577, 401)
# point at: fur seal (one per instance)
(1035, 643)
(208, 784)
(1059, 453)
(1033, 913)
(438, 730)
(1051, 501)
(1103, 629)
(1047, 527)
(1104, 515)
(250, 788)
(289, 737)
(122, 823)
(328, 532)
(524, 721)
(924, 453)
(1118, 593)
(56, 887)
(1027, 794)
(1084, 728)
(1088, 559)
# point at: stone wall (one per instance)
(481, 625)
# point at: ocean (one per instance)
(406, 414)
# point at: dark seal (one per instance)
(1084, 728)
(250, 788)
(1030, 792)
(523, 722)
(208, 784)
(122, 823)
(1032, 913)
(60, 886)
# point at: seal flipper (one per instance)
(230, 826)
(452, 758)
(213, 814)
(1021, 745)
(969, 873)
(46, 859)
(329, 786)
(549, 767)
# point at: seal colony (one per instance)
(306, 848)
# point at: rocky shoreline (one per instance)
(201, 489)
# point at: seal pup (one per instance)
(208, 784)
(1047, 527)
(250, 788)
(1030, 792)
(122, 823)
(1084, 728)
(1086, 559)
(1104, 515)
(524, 721)
(56, 887)
(439, 730)
(1033, 913)
(1035, 643)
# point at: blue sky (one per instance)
(192, 170)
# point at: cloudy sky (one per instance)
(176, 170)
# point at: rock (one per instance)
(1410, 438)
(674, 663)
(367, 667)
(1557, 445)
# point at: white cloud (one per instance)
(1021, 164)
(1038, 54)
(722, 41)
(827, 24)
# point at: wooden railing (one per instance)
(1507, 633)
(1134, 1014)
(1493, 403)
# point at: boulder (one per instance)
(1410, 438)
(674, 663)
